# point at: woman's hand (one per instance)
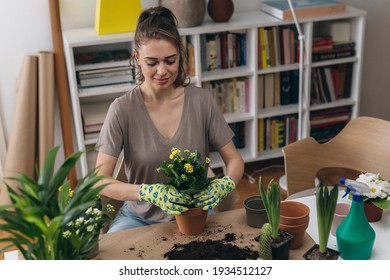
(167, 197)
(218, 189)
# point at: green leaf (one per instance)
(381, 203)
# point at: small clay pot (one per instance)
(373, 212)
(189, 13)
(293, 212)
(298, 231)
(192, 222)
(256, 215)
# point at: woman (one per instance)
(162, 112)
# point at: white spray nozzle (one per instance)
(358, 188)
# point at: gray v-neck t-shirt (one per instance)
(128, 126)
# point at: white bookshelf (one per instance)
(86, 39)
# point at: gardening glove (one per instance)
(218, 189)
(167, 197)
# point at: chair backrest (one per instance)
(362, 145)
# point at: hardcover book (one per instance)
(303, 8)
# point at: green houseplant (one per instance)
(47, 220)
(274, 243)
(326, 201)
(188, 173)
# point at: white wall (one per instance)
(25, 30)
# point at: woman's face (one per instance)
(159, 62)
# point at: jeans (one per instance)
(126, 219)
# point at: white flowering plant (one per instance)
(379, 189)
(45, 219)
(186, 171)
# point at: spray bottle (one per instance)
(355, 236)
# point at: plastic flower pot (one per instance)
(256, 215)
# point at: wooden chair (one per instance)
(362, 145)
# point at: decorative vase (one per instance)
(220, 10)
(192, 222)
(294, 218)
(256, 215)
(373, 212)
(189, 13)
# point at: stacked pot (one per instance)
(294, 218)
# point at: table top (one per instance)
(152, 242)
(381, 249)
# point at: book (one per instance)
(303, 8)
(332, 55)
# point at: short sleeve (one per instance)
(111, 136)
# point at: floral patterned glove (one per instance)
(218, 189)
(167, 197)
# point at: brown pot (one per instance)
(192, 222)
(298, 231)
(373, 212)
(293, 212)
(294, 218)
(220, 10)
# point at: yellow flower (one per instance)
(189, 168)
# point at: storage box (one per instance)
(116, 16)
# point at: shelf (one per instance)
(86, 40)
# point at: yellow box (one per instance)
(116, 16)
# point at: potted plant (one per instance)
(188, 173)
(325, 204)
(376, 200)
(46, 220)
(274, 243)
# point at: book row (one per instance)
(280, 88)
(239, 134)
(223, 50)
(331, 83)
(277, 45)
(276, 132)
(105, 76)
(327, 123)
(231, 96)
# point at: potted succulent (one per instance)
(188, 173)
(326, 205)
(46, 220)
(274, 243)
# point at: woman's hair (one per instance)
(161, 24)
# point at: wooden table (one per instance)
(152, 242)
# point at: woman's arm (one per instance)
(115, 189)
(233, 161)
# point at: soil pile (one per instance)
(212, 250)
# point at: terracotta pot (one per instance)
(340, 213)
(293, 212)
(192, 222)
(220, 10)
(294, 218)
(298, 231)
(373, 213)
(188, 12)
(256, 215)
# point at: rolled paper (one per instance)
(20, 156)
